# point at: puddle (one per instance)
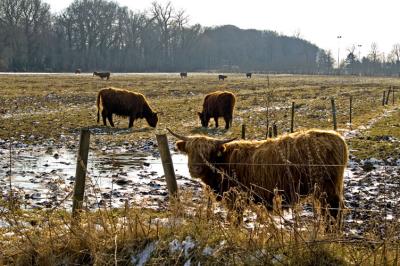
(44, 177)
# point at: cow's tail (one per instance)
(98, 104)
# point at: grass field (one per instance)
(40, 108)
(36, 105)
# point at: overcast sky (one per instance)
(318, 21)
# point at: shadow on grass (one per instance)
(106, 130)
(209, 131)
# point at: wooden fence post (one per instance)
(350, 111)
(275, 129)
(80, 176)
(334, 114)
(292, 119)
(167, 164)
(387, 96)
(243, 131)
(270, 132)
(383, 99)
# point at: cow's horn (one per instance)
(178, 136)
(220, 142)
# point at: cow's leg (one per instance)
(109, 116)
(104, 115)
(335, 206)
(131, 119)
(227, 122)
(216, 121)
(234, 201)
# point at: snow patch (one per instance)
(143, 257)
(186, 246)
(207, 251)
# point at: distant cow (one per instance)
(77, 71)
(218, 104)
(126, 104)
(102, 75)
(223, 77)
(248, 75)
(183, 74)
(310, 162)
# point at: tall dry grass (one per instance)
(197, 230)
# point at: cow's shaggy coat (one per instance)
(218, 104)
(126, 104)
(304, 163)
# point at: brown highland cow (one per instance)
(299, 164)
(102, 75)
(218, 104)
(126, 104)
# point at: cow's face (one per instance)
(152, 119)
(203, 155)
(201, 151)
(203, 119)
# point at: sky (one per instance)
(358, 22)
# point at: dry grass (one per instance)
(35, 105)
(111, 237)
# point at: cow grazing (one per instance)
(218, 104)
(248, 75)
(102, 75)
(77, 71)
(183, 74)
(126, 104)
(222, 77)
(299, 164)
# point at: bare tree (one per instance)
(374, 53)
(164, 17)
(394, 55)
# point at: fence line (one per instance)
(287, 164)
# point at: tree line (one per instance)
(102, 35)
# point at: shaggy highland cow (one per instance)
(183, 74)
(299, 164)
(77, 71)
(218, 104)
(222, 77)
(102, 75)
(126, 104)
(248, 75)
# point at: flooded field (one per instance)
(43, 177)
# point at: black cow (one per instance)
(223, 77)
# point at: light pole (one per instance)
(338, 51)
(359, 51)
